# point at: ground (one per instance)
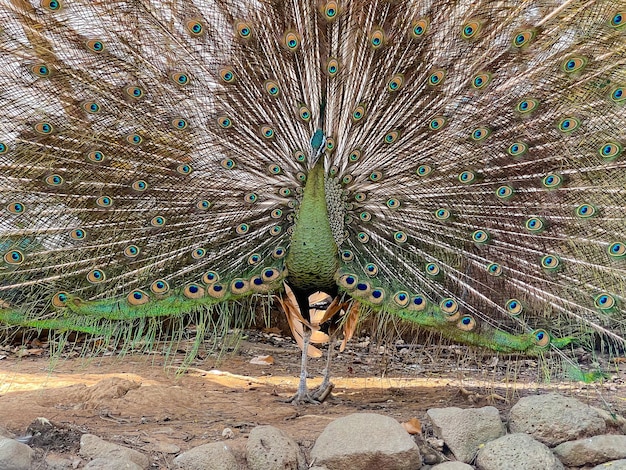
(147, 403)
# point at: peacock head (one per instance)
(318, 145)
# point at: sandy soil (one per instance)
(138, 401)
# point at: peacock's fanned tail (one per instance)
(154, 155)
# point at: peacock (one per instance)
(454, 165)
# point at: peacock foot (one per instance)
(322, 392)
(303, 399)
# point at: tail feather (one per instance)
(153, 158)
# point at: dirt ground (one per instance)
(138, 401)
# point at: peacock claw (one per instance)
(322, 392)
(305, 399)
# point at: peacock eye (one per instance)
(610, 150)
(574, 64)
(180, 78)
(95, 45)
(332, 67)
(527, 106)
(471, 29)
(436, 77)
(523, 38)
(377, 38)
(395, 83)
(419, 28)
(51, 5)
(437, 123)
(195, 27)
(184, 169)
(271, 88)
(358, 113)
(44, 128)
(14, 257)
(267, 132)
(291, 41)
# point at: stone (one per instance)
(14, 455)
(612, 465)
(464, 431)
(93, 447)
(452, 466)
(165, 448)
(517, 452)
(214, 456)
(58, 462)
(111, 464)
(612, 420)
(365, 441)
(4, 432)
(592, 450)
(553, 419)
(269, 448)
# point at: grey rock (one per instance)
(365, 441)
(517, 452)
(165, 448)
(93, 447)
(611, 419)
(613, 465)
(452, 466)
(269, 448)
(464, 431)
(58, 462)
(112, 464)
(14, 455)
(553, 419)
(214, 456)
(592, 450)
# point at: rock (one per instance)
(14, 455)
(464, 431)
(593, 450)
(214, 456)
(93, 447)
(58, 462)
(4, 432)
(165, 448)
(517, 452)
(553, 419)
(365, 441)
(102, 463)
(269, 448)
(613, 465)
(452, 466)
(611, 419)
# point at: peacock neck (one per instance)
(313, 260)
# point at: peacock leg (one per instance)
(302, 395)
(321, 392)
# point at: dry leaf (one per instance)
(413, 426)
(274, 330)
(262, 360)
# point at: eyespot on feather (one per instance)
(291, 41)
(159, 287)
(137, 297)
(193, 291)
(195, 27)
